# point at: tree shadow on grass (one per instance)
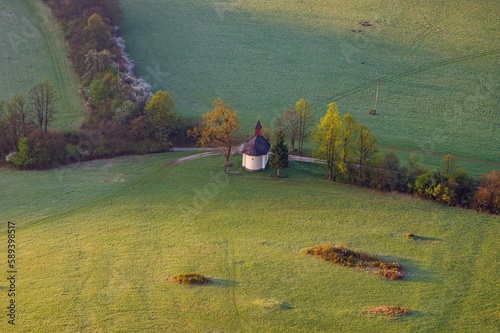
(414, 237)
(413, 273)
(223, 283)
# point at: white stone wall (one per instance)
(254, 163)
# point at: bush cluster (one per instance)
(190, 278)
(449, 185)
(345, 257)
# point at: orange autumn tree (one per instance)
(218, 128)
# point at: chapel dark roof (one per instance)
(257, 145)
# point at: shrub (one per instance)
(190, 278)
(390, 312)
(389, 175)
(342, 256)
(47, 149)
(487, 197)
(21, 159)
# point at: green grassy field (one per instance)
(33, 49)
(438, 63)
(98, 241)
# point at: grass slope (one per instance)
(33, 48)
(438, 63)
(98, 241)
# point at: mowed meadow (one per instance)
(32, 49)
(98, 241)
(438, 63)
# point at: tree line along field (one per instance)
(102, 260)
(438, 65)
(33, 48)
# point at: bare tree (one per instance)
(289, 124)
(20, 115)
(42, 98)
(305, 119)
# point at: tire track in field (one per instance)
(419, 70)
(139, 183)
(49, 31)
(455, 296)
(411, 51)
(433, 153)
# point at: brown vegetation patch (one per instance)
(389, 312)
(345, 257)
(409, 235)
(190, 278)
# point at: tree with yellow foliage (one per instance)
(305, 117)
(218, 128)
(328, 139)
(160, 115)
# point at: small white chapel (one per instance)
(256, 151)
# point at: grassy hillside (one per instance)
(98, 241)
(438, 64)
(33, 49)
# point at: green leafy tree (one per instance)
(305, 118)
(22, 159)
(160, 115)
(413, 171)
(279, 153)
(349, 135)
(96, 34)
(218, 128)
(449, 165)
(328, 139)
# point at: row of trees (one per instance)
(24, 114)
(348, 148)
(297, 123)
(351, 156)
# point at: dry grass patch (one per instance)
(345, 257)
(389, 312)
(190, 278)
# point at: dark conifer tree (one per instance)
(279, 153)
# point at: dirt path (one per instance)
(218, 152)
(192, 157)
(308, 159)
